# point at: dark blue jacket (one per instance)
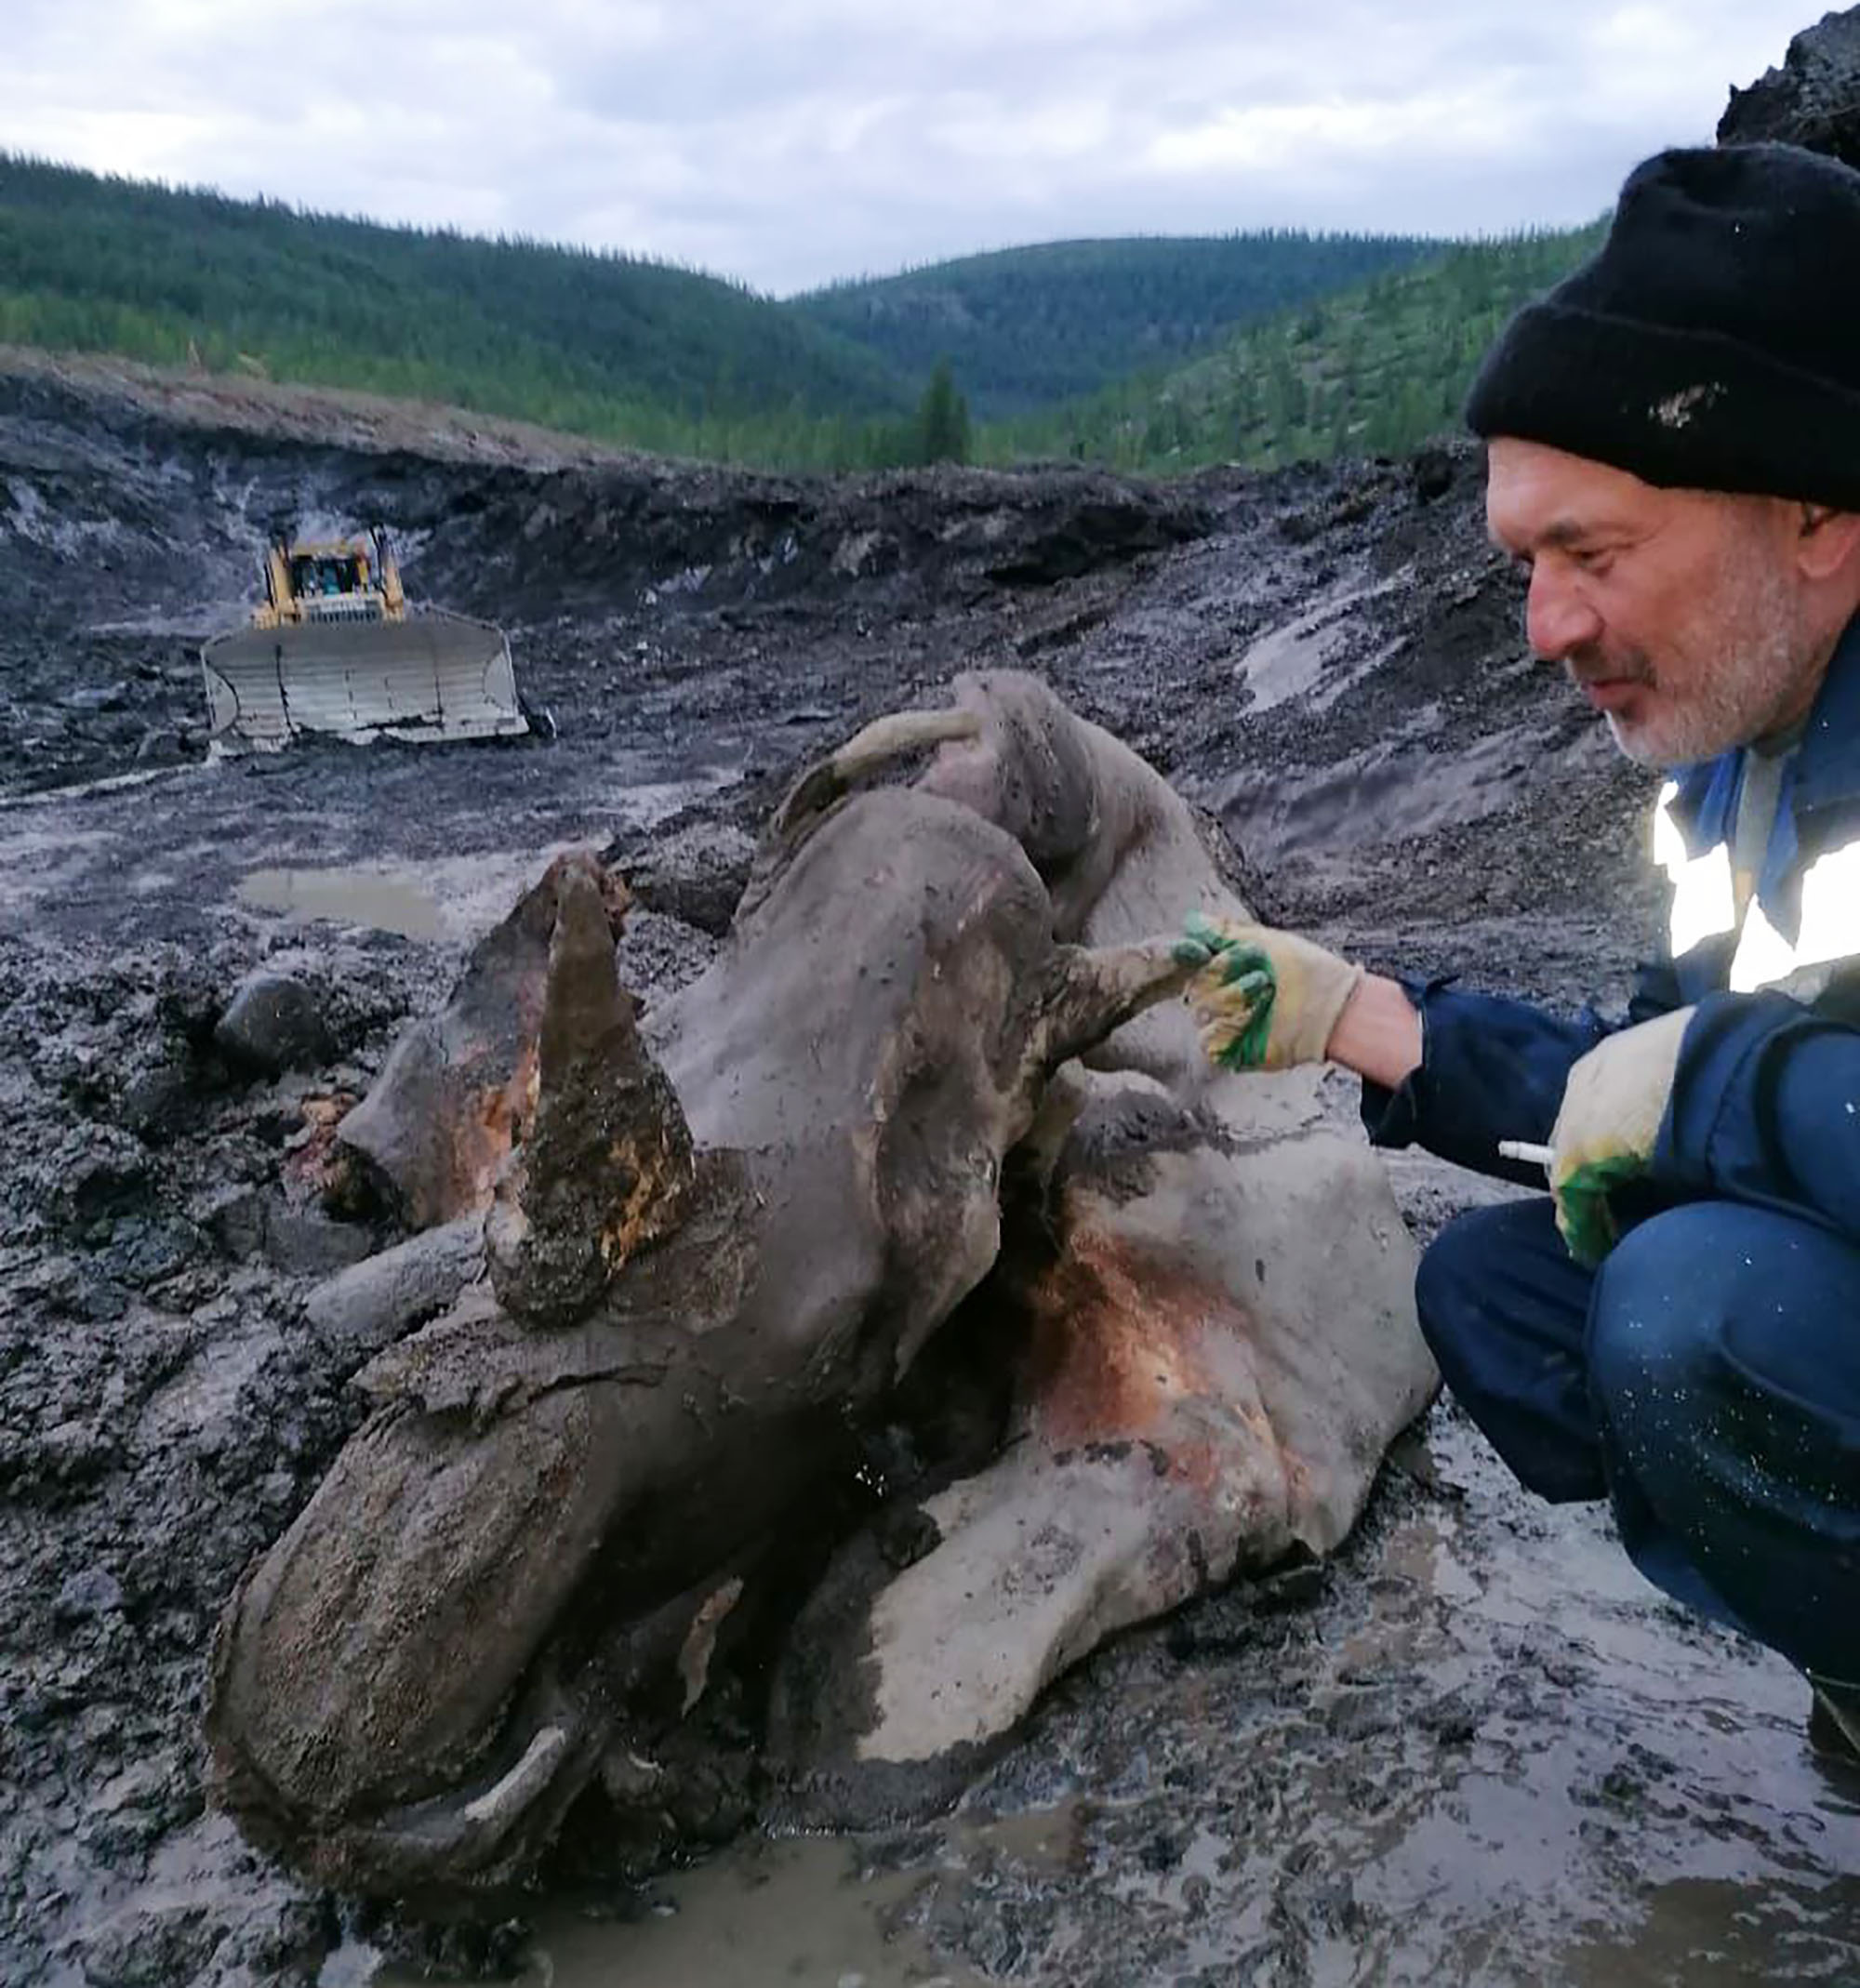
(1766, 1101)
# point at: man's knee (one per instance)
(1719, 1297)
(1664, 1299)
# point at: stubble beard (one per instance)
(1740, 667)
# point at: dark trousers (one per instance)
(1706, 1379)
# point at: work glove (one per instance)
(1613, 1105)
(1265, 999)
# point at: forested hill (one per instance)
(1299, 345)
(630, 350)
(1371, 370)
(1027, 326)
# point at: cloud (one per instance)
(788, 141)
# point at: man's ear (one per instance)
(1828, 542)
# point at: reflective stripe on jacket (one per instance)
(1766, 1100)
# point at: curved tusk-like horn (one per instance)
(876, 745)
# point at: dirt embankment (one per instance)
(1331, 660)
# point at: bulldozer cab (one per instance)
(342, 579)
(328, 573)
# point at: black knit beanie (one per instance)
(1712, 342)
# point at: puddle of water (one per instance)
(1035, 1839)
(371, 897)
(1703, 1933)
(764, 1913)
(452, 897)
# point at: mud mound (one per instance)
(131, 528)
(1814, 100)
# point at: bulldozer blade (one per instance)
(433, 676)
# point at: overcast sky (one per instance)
(790, 141)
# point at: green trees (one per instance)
(1376, 370)
(942, 419)
(629, 350)
(661, 358)
(1029, 328)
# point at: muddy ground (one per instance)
(1474, 1748)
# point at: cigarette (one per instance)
(1523, 1149)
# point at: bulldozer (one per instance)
(335, 650)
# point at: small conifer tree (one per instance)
(943, 419)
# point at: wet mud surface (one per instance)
(1473, 1747)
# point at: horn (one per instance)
(606, 1164)
(877, 745)
(825, 783)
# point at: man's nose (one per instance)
(1558, 621)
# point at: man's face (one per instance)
(1679, 614)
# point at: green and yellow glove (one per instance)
(1613, 1105)
(1265, 999)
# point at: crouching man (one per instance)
(1674, 458)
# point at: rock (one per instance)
(155, 1101)
(98, 1172)
(370, 1305)
(1814, 100)
(143, 1250)
(86, 1595)
(274, 1024)
(234, 1217)
(189, 1002)
(280, 1120)
(306, 1242)
(1431, 473)
(696, 874)
(160, 747)
(301, 1241)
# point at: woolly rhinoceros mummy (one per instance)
(691, 1265)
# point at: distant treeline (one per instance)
(1375, 370)
(602, 344)
(1369, 347)
(1028, 326)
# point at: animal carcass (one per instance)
(708, 1259)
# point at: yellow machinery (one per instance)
(335, 650)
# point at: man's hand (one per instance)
(1265, 999)
(1613, 1105)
